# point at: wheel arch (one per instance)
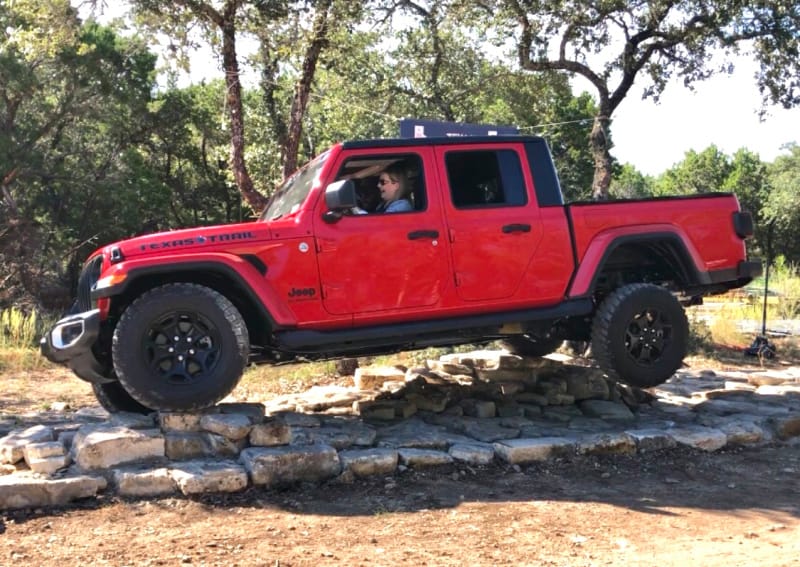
(656, 257)
(215, 275)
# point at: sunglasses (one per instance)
(383, 182)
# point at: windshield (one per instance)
(291, 194)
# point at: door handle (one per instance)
(417, 234)
(509, 228)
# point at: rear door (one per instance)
(493, 224)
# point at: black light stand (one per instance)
(762, 347)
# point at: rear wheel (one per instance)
(531, 345)
(180, 347)
(640, 335)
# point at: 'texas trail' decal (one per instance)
(191, 241)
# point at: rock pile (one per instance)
(473, 408)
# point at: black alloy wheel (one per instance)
(180, 347)
(640, 335)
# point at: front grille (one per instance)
(89, 276)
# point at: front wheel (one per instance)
(640, 335)
(180, 347)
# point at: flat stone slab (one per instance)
(519, 451)
(369, 462)
(273, 432)
(699, 437)
(231, 426)
(417, 458)
(607, 410)
(144, 482)
(21, 491)
(12, 445)
(101, 447)
(416, 433)
(472, 454)
(202, 477)
(272, 466)
(649, 440)
(607, 444)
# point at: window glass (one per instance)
(294, 190)
(485, 178)
(368, 171)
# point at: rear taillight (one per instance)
(743, 224)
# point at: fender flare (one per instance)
(604, 244)
(242, 271)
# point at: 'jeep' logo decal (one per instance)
(302, 292)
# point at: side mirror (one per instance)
(341, 195)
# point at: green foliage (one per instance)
(782, 207)
(703, 172)
(630, 183)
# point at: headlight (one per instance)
(109, 281)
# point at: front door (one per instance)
(384, 261)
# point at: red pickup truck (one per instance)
(489, 252)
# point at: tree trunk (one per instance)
(297, 113)
(234, 102)
(599, 146)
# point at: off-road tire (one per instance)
(180, 347)
(640, 335)
(114, 399)
(531, 345)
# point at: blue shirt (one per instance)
(399, 206)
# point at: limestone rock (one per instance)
(180, 421)
(99, 447)
(231, 426)
(606, 410)
(648, 440)
(518, 451)
(254, 410)
(202, 477)
(46, 458)
(184, 445)
(17, 491)
(787, 426)
(478, 408)
(272, 466)
(472, 454)
(11, 446)
(423, 457)
(369, 462)
(373, 377)
(435, 401)
(505, 375)
(132, 420)
(607, 444)
(585, 385)
(144, 482)
(451, 368)
(699, 437)
(346, 366)
(270, 433)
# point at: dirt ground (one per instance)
(682, 507)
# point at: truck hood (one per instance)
(207, 238)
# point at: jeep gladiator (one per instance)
(169, 321)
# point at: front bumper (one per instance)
(70, 342)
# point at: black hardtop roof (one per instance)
(437, 141)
